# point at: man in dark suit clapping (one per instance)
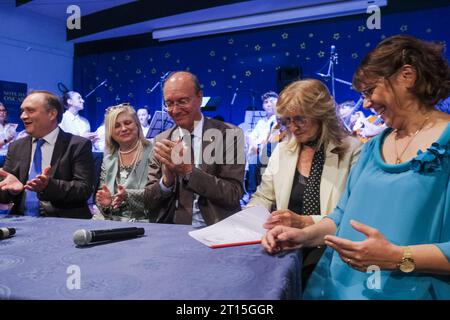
(49, 172)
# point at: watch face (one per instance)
(407, 266)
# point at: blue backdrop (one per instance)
(245, 61)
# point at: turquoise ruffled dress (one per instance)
(409, 203)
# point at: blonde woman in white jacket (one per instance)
(307, 173)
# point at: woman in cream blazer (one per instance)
(306, 174)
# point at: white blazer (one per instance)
(276, 183)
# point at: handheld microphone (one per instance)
(84, 237)
(7, 232)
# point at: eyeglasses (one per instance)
(183, 102)
(298, 120)
(3, 110)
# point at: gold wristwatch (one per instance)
(407, 264)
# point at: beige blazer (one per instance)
(276, 183)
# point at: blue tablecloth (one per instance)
(166, 263)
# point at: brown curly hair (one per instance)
(432, 69)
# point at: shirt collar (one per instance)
(51, 137)
(198, 128)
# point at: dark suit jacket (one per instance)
(71, 176)
(218, 184)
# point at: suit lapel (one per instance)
(26, 156)
(205, 143)
(329, 175)
(286, 173)
(61, 145)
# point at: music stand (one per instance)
(252, 117)
(160, 122)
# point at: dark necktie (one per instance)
(31, 200)
(183, 214)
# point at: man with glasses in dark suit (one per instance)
(197, 170)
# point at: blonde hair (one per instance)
(111, 115)
(311, 98)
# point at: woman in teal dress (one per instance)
(389, 236)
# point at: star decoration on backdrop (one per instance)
(212, 53)
(233, 76)
(321, 54)
(148, 90)
(110, 88)
(336, 36)
(367, 44)
(287, 54)
(131, 95)
(209, 70)
(361, 28)
(285, 36)
(274, 44)
(99, 99)
(321, 41)
(117, 75)
(260, 59)
(153, 71)
(404, 28)
(383, 37)
(354, 55)
(131, 81)
(213, 83)
(224, 58)
(428, 30)
(257, 47)
(178, 61)
(311, 35)
(113, 58)
(230, 41)
(248, 73)
(303, 45)
(127, 57)
(138, 71)
(151, 59)
(307, 58)
(167, 55)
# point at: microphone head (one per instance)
(82, 237)
(7, 232)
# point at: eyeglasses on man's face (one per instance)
(297, 120)
(181, 103)
(3, 110)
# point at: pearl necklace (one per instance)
(123, 174)
(131, 150)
